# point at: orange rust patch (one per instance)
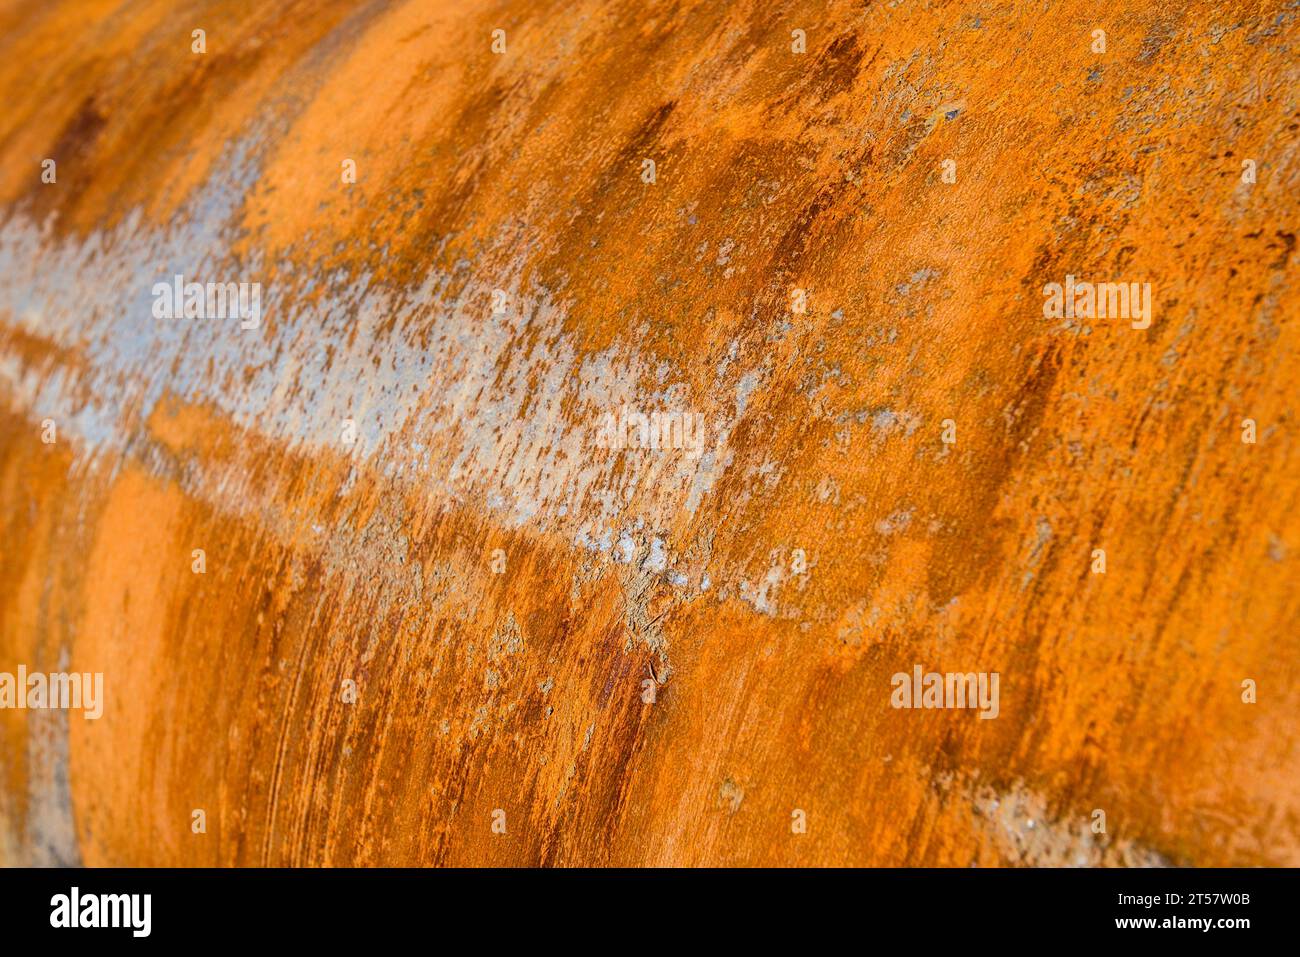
(461, 560)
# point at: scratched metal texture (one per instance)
(523, 690)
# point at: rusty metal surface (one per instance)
(399, 472)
